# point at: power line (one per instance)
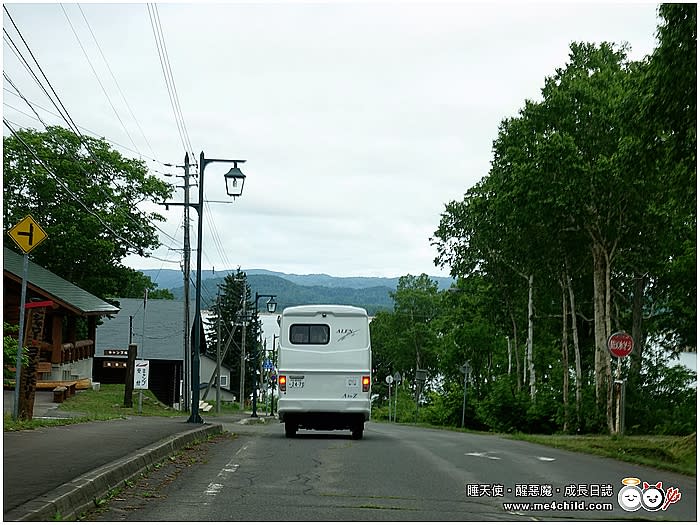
(19, 94)
(24, 61)
(67, 117)
(116, 113)
(115, 81)
(94, 134)
(167, 75)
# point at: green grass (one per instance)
(107, 403)
(672, 453)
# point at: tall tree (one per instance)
(86, 196)
(416, 304)
(666, 125)
(235, 310)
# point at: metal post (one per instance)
(622, 411)
(20, 337)
(464, 401)
(218, 354)
(255, 371)
(186, 290)
(397, 378)
(389, 402)
(274, 370)
(194, 416)
(241, 389)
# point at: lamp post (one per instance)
(271, 307)
(234, 187)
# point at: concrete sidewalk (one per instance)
(60, 471)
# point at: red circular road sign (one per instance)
(620, 344)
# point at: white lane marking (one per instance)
(544, 458)
(481, 455)
(213, 489)
(230, 468)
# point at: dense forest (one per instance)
(585, 225)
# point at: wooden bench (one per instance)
(59, 394)
(63, 390)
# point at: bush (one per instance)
(664, 403)
(9, 357)
(504, 409)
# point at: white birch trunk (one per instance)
(530, 336)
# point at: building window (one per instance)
(223, 381)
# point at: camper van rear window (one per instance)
(309, 334)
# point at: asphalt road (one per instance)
(396, 473)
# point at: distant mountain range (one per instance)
(371, 293)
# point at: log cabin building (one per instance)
(63, 327)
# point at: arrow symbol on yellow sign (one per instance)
(27, 234)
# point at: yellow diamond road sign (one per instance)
(27, 234)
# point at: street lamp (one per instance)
(237, 179)
(234, 180)
(271, 307)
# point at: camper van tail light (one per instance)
(365, 383)
(282, 383)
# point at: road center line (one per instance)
(481, 455)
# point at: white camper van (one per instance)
(324, 368)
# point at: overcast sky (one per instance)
(359, 120)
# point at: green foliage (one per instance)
(88, 206)
(665, 402)
(444, 408)
(9, 346)
(235, 304)
(504, 409)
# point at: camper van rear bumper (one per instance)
(300, 409)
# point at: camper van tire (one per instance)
(357, 431)
(290, 429)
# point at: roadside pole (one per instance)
(27, 234)
(620, 345)
(390, 379)
(397, 379)
(20, 337)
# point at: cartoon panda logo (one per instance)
(630, 496)
(652, 496)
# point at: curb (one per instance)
(69, 500)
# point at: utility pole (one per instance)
(186, 285)
(187, 353)
(241, 389)
(218, 352)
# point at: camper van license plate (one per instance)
(295, 382)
